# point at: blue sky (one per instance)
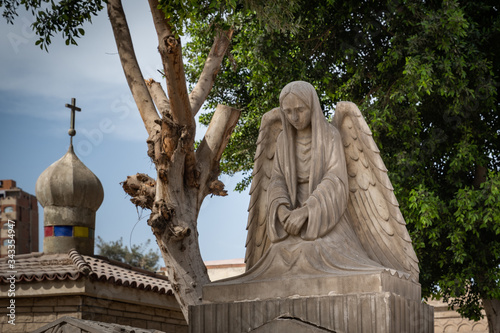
(110, 140)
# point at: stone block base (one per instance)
(382, 312)
(307, 286)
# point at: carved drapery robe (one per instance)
(326, 201)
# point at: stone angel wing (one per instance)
(257, 240)
(372, 205)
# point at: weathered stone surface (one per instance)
(69, 183)
(382, 312)
(321, 201)
(449, 320)
(327, 246)
(233, 290)
(289, 325)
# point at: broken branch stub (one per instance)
(216, 187)
(141, 188)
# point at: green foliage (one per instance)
(242, 86)
(64, 16)
(446, 132)
(462, 237)
(135, 256)
(425, 75)
(224, 14)
(261, 61)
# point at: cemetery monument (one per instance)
(327, 246)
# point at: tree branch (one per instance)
(171, 55)
(159, 97)
(130, 66)
(180, 108)
(162, 104)
(479, 176)
(212, 146)
(212, 65)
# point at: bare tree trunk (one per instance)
(479, 176)
(491, 306)
(175, 205)
(177, 237)
(492, 309)
(184, 177)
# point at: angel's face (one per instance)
(296, 112)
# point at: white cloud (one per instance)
(91, 72)
(65, 70)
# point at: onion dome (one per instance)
(70, 194)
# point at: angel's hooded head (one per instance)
(296, 112)
(304, 95)
(303, 90)
(299, 104)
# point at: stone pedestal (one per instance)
(381, 302)
(304, 286)
(362, 313)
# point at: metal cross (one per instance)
(73, 108)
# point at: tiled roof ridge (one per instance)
(119, 273)
(79, 262)
(132, 268)
(74, 265)
(38, 266)
(27, 255)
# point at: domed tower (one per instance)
(70, 195)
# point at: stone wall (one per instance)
(133, 315)
(35, 312)
(223, 269)
(447, 320)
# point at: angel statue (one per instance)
(321, 201)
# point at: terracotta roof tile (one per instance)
(104, 269)
(73, 265)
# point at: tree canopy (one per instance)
(426, 76)
(65, 17)
(137, 255)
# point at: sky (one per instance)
(110, 136)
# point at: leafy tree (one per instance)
(186, 173)
(426, 75)
(185, 176)
(424, 72)
(135, 256)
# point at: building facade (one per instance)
(66, 284)
(49, 287)
(447, 320)
(21, 209)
